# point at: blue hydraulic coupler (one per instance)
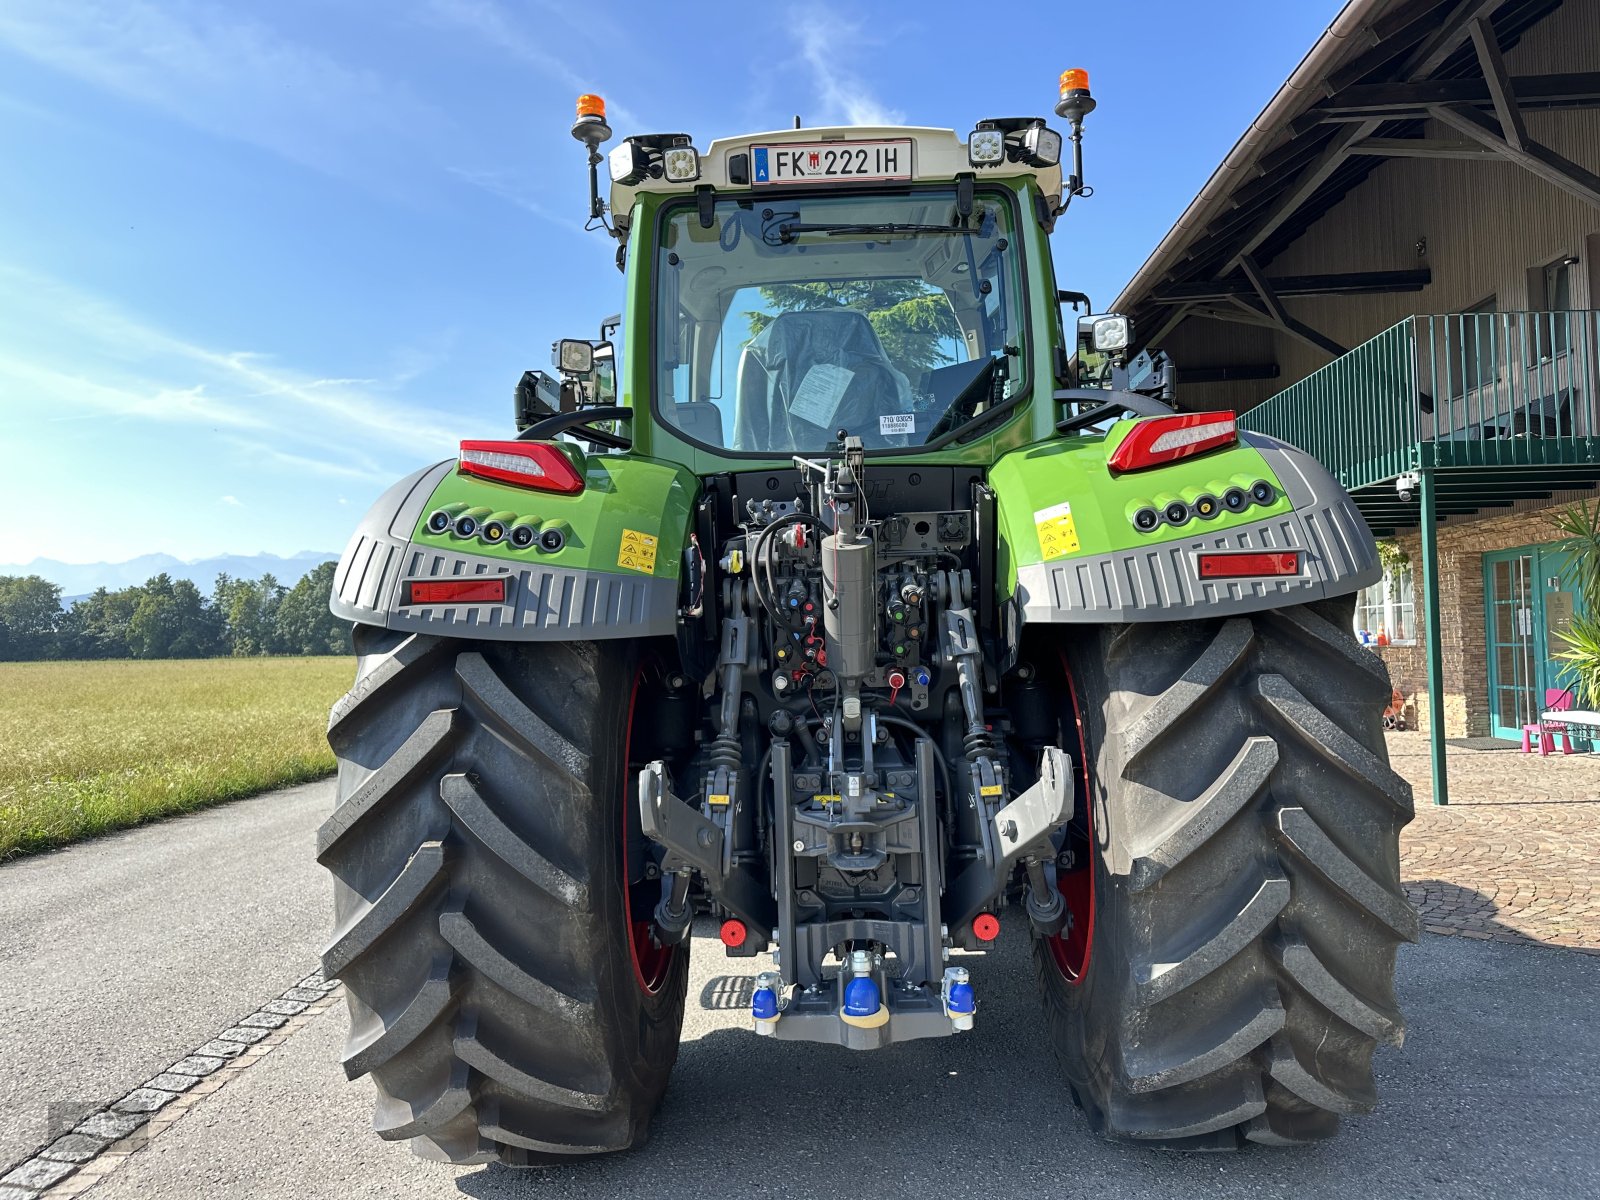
(861, 997)
(764, 1004)
(959, 1001)
(921, 676)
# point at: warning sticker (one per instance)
(638, 551)
(1058, 532)
(718, 799)
(895, 424)
(820, 393)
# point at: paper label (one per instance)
(638, 551)
(820, 393)
(1058, 532)
(894, 424)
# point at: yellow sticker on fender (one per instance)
(638, 551)
(1058, 532)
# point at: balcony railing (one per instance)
(1459, 389)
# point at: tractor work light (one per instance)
(1111, 332)
(629, 163)
(1041, 146)
(1250, 565)
(1158, 440)
(457, 591)
(537, 465)
(574, 356)
(986, 147)
(680, 164)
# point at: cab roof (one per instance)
(937, 156)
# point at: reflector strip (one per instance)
(1244, 566)
(457, 591)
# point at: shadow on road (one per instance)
(986, 1113)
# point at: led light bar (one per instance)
(1158, 440)
(1249, 565)
(526, 464)
(457, 591)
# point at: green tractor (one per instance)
(827, 612)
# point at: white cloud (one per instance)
(826, 42)
(231, 502)
(143, 372)
(229, 75)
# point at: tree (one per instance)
(170, 620)
(97, 625)
(303, 624)
(248, 609)
(30, 612)
(912, 319)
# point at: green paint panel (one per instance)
(1033, 483)
(626, 501)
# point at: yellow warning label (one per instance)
(638, 551)
(991, 789)
(828, 799)
(718, 801)
(1058, 532)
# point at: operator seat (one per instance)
(774, 366)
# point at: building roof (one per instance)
(1293, 164)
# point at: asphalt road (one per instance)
(119, 956)
(1493, 1095)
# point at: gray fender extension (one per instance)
(544, 602)
(1161, 582)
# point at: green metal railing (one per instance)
(1469, 389)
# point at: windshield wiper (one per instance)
(788, 232)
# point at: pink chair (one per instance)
(1555, 700)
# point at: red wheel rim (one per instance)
(651, 962)
(1070, 949)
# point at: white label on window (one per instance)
(897, 423)
(818, 397)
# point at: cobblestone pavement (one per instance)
(1515, 857)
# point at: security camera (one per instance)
(1406, 485)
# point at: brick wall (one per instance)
(1463, 637)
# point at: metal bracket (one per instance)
(691, 840)
(1025, 826)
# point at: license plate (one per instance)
(832, 162)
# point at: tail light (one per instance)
(1249, 565)
(538, 465)
(1160, 440)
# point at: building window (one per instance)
(1386, 612)
(1474, 361)
(1551, 337)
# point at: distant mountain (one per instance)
(79, 579)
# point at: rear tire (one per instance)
(1245, 875)
(482, 925)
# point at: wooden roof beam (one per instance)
(1494, 75)
(1530, 156)
(1421, 148)
(1342, 283)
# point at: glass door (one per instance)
(1529, 602)
(1509, 598)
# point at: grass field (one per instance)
(87, 747)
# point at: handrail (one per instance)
(1512, 388)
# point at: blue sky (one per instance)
(258, 260)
